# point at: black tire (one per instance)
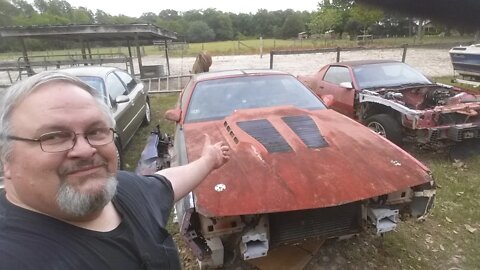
(386, 126)
(148, 114)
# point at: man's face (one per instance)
(56, 183)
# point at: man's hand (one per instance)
(216, 154)
(185, 178)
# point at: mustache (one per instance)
(81, 164)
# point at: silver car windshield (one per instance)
(215, 99)
(387, 75)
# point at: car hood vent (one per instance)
(306, 129)
(264, 132)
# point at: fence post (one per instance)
(271, 59)
(404, 55)
(261, 47)
(338, 54)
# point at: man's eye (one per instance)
(55, 137)
(98, 133)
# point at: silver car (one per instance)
(125, 95)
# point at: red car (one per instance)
(398, 102)
(298, 170)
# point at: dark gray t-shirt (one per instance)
(30, 240)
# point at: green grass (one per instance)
(159, 103)
(251, 46)
(441, 241)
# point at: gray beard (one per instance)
(77, 204)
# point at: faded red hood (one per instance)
(345, 162)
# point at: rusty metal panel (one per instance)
(356, 165)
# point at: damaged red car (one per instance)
(298, 170)
(398, 102)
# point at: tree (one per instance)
(199, 31)
(193, 15)
(242, 24)
(149, 17)
(337, 14)
(367, 16)
(82, 16)
(293, 25)
(123, 19)
(102, 17)
(353, 28)
(41, 5)
(324, 20)
(220, 23)
(264, 23)
(6, 12)
(169, 14)
(23, 8)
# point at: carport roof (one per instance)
(89, 32)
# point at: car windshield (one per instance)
(216, 99)
(387, 75)
(95, 82)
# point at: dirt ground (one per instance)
(431, 62)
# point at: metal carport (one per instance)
(86, 33)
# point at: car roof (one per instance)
(365, 62)
(212, 75)
(96, 71)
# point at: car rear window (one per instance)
(95, 82)
(215, 99)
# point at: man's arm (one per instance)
(185, 178)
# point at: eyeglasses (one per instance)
(60, 141)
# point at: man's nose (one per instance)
(82, 147)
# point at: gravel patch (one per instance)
(431, 62)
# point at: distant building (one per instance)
(302, 35)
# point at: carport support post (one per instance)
(130, 59)
(140, 65)
(25, 58)
(89, 51)
(166, 57)
(84, 54)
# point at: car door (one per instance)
(121, 107)
(137, 95)
(330, 85)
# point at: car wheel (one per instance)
(118, 152)
(386, 126)
(148, 114)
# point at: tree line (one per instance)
(337, 17)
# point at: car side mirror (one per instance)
(347, 85)
(173, 115)
(328, 100)
(122, 99)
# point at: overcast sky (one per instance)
(135, 8)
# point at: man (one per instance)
(65, 206)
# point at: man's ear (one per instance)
(6, 170)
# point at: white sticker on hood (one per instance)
(220, 187)
(396, 162)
